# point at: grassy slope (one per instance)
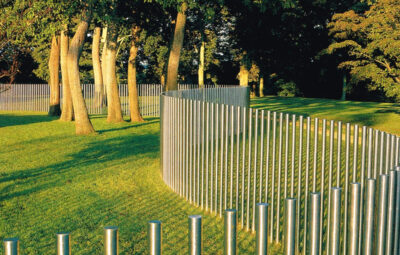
(52, 180)
(382, 116)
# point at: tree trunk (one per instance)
(54, 70)
(261, 86)
(132, 85)
(244, 76)
(97, 72)
(344, 88)
(82, 121)
(67, 113)
(162, 80)
(201, 65)
(175, 52)
(114, 104)
(103, 64)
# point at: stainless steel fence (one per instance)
(36, 97)
(318, 176)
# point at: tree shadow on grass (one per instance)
(79, 164)
(7, 120)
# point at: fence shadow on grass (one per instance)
(7, 120)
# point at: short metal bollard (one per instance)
(290, 226)
(195, 244)
(11, 246)
(262, 228)
(230, 232)
(111, 240)
(155, 237)
(355, 192)
(315, 219)
(63, 243)
(334, 221)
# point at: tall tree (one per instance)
(97, 71)
(54, 70)
(175, 52)
(369, 44)
(114, 112)
(132, 83)
(67, 112)
(82, 121)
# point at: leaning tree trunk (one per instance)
(201, 65)
(343, 98)
(132, 84)
(82, 121)
(175, 52)
(67, 112)
(114, 113)
(54, 71)
(97, 72)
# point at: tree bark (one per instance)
(67, 112)
(201, 65)
(132, 84)
(114, 113)
(261, 86)
(103, 65)
(244, 76)
(175, 52)
(82, 121)
(343, 98)
(97, 72)
(54, 70)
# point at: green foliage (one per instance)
(368, 43)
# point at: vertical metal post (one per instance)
(382, 214)
(195, 235)
(290, 226)
(355, 191)
(390, 211)
(278, 200)
(11, 246)
(396, 248)
(262, 229)
(63, 244)
(111, 240)
(315, 219)
(369, 218)
(154, 230)
(230, 232)
(334, 234)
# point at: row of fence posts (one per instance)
(111, 236)
(386, 232)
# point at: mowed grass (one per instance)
(382, 116)
(52, 180)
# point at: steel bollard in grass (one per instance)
(11, 246)
(63, 243)
(155, 237)
(230, 232)
(195, 232)
(111, 240)
(262, 228)
(290, 226)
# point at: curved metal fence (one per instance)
(36, 97)
(332, 187)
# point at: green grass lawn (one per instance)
(382, 116)
(52, 180)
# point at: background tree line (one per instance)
(313, 48)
